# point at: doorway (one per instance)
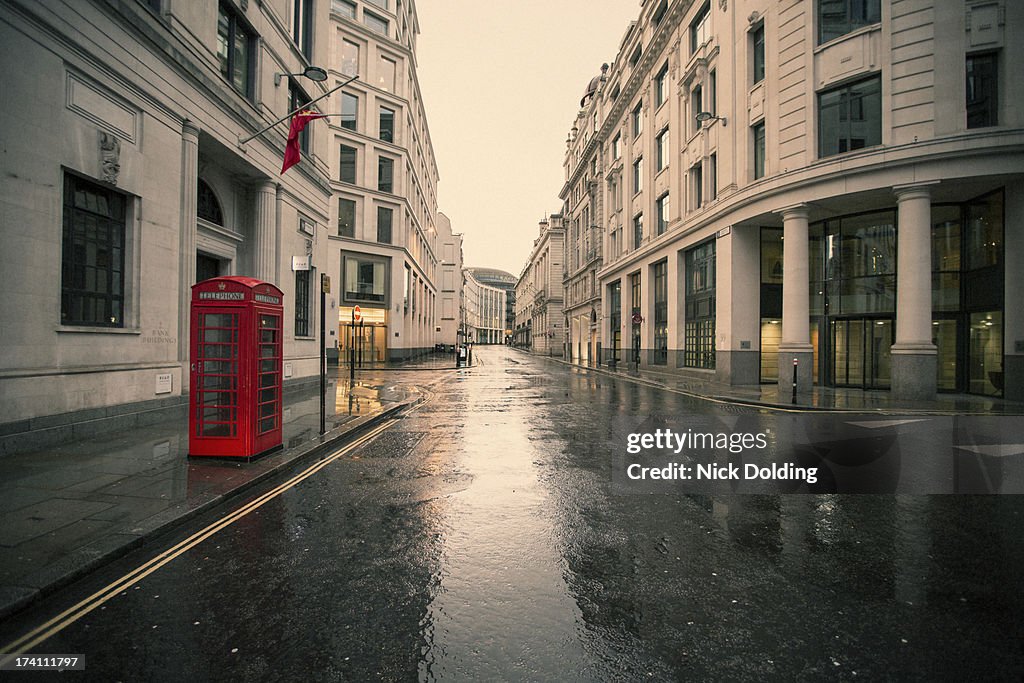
(862, 352)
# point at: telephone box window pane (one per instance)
(219, 351)
(225, 382)
(267, 424)
(267, 380)
(219, 367)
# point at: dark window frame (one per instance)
(343, 164)
(303, 311)
(95, 221)
(385, 224)
(982, 90)
(237, 26)
(347, 229)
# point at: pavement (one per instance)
(819, 399)
(72, 508)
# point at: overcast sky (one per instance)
(502, 82)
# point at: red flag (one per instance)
(291, 150)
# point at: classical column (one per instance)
(914, 354)
(795, 344)
(187, 237)
(265, 246)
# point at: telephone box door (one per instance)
(216, 390)
(268, 366)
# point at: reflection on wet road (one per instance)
(481, 538)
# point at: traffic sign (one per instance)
(356, 314)
(637, 319)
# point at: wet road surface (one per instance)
(480, 537)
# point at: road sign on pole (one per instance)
(357, 315)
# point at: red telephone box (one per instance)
(235, 397)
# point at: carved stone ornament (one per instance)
(723, 4)
(110, 158)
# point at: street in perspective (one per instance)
(447, 340)
(478, 537)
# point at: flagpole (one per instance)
(293, 113)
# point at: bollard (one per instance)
(795, 364)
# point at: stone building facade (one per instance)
(830, 182)
(540, 317)
(384, 180)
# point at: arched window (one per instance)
(207, 206)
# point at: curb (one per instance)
(88, 559)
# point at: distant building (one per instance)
(584, 218)
(450, 295)
(539, 317)
(485, 306)
(499, 279)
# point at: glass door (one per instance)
(216, 380)
(862, 353)
(878, 360)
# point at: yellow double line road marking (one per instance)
(73, 614)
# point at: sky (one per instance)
(501, 82)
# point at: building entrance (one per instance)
(860, 353)
(369, 341)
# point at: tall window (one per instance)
(235, 50)
(660, 313)
(349, 110)
(302, 26)
(982, 90)
(616, 146)
(660, 83)
(713, 177)
(638, 120)
(92, 260)
(347, 165)
(713, 92)
(384, 217)
(700, 27)
(297, 98)
(759, 150)
(349, 58)
(385, 174)
(696, 106)
(663, 216)
(661, 150)
(850, 117)
(615, 319)
(757, 37)
(387, 124)
(638, 175)
(638, 230)
(839, 17)
(302, 300)
(346, 217)
(636, 308)
(699, 349)
(387, 69)
(697, 176)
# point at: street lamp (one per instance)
(313, 73)
(708, 116)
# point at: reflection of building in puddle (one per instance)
(355, 398)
